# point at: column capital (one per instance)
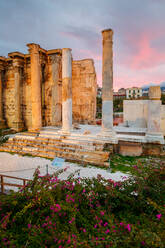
(17, 62)
(2, 63)
(107, 34)
(33, 48)
(66, 49)
(154, 93)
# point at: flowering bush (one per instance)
(50, 212)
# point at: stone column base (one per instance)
(155, 138)
(65, 132)
(2, 124)
(109, 135)
(18, 126)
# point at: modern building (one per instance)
(145, 92)
(120, 94)
(133, 92)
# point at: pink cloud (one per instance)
(143, 54)
(139, 64)
(128, 78)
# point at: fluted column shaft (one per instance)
(18, 123)
(1, 102)
(35, 87)
(2, 121)
(66, 90)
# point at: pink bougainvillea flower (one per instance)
(73, 219)
(102, 212)
(68, 241)
(107, 231)
(159, 216)
(29, 226)
(128, 227)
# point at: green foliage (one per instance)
(163, 98)
(99, 107)
(76, 212)
(3, 138)
(4, 135)
(122, 163)
(118, 105)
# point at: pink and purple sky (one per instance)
(139, 33)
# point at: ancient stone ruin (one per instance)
(32, 92)
(47, 91)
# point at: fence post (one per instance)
(2, 185)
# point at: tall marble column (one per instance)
(2, 121)
(18, 123)
(66, 90)
(107, 86)
(35, 87)
(154, 133)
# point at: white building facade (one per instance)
(133, 92)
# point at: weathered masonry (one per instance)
(31, 89)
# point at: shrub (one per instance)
(78, 212)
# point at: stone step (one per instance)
(81, 157)
(63, 148)
(77, 149)
(50, 139)
(73, 139)
(91, 146)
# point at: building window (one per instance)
(129, 96)
(129, 91)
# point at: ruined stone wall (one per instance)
(84, 88)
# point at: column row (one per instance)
(36, 89)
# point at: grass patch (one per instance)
(122, 163)
(126, 163)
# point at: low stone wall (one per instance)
(128, 148)
(135, 114)
(163, 119)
